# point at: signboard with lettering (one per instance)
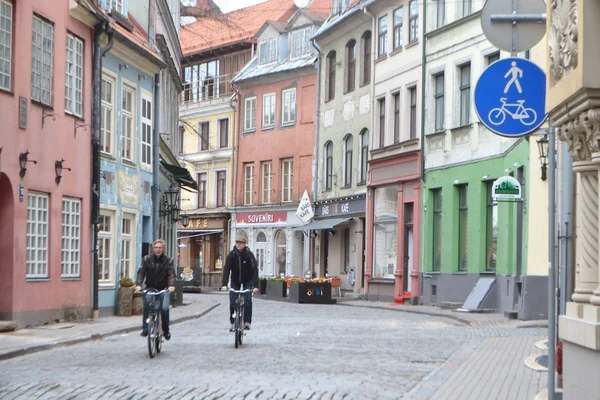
(261, 218)
(506, 188)
(129, 188)
(341, 207)
(305, 211)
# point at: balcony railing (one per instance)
(211, 88)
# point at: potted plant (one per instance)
(276, 288)
(317, 290)
(125, 281)
(125, 301)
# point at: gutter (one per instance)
(317, 123)
(98, 53)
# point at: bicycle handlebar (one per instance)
(240, 291)
(153, 291)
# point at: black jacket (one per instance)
(236, 260)
(159, 272)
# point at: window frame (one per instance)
(490, 209)
(37, 268)
(348, 155)
(463, 227)
(72, 81)
(221, 186)
(104, 107)
(202, 198)
(492, 57)
(204, 137)
(250, 114)
(398, 28)
(465, 8)
(146, 116)
(328, 165)
(382, 36)
(271, 108)
(366, 56)
(364, 156)
(305, 44)
(437, 229)
(132, 116)
(129, 240)
(413, 22)
(223, 143)
(464, 117)
(248, 184)
(396, 97)
(45, 71)
(440, 10)
(272, 57)
(350, 71)
(71, 238)
(330, 69)
(287, 181)
(7, 76)
(288, 112)
(107, 236)
(412, 93)
(381, 104)
(267, 177)
(439, 98)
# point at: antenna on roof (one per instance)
(302, 3)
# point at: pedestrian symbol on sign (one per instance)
(516, 73)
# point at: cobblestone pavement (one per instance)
(292, 352)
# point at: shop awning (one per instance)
(329, 223)
(181, 175)
(197, 232)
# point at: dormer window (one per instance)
(339, 6)
(267, 51)
(301, 42)
(117, 5)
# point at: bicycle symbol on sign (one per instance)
(527, 116)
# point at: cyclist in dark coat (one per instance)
(159, 272)
(241, 265)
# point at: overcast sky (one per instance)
(230, 5)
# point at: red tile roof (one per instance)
(235, 27)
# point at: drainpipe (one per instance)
(156, 158)
(551, 260)
(423, 105)
(567, 184)
(235, 108)
(309, 244)
(99, 52)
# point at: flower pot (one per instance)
(125, 302)
(137, 304)
(125, 284)
(311, 292)
(276, 290)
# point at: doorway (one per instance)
(6, 247)
(408, 247)
(260, 249)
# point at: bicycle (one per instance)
(238, 316)
(527, 116)
(155, 333)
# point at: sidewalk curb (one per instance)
(453, 317)
(87, 338)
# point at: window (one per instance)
(181, 139)
(396, 117)
(328, 165)
(331, 76)
(339, 6)
(114, 5)
(250, 114)
(287, 176)
(37, 235)
(463, 227)
(269, 110)
(398, 25)
(385, 238)
(348, 143)
(364, 155)
(288, 107)
(248, 184)
(202, 188)
(268, 51)
(204, 136)
(437, 230)
(492, 58)
(221, 188)
(105, 237)
(41, 67)
(366, 58)
(381, 122)
(440, 13)
(127, 246)
(6, 39)
(71, 238)
(350, 65)
(382, 36)
(223, 133)
(74, 76)
(107, 115)
(413, 7)
(439, 102)
(127, 123)
(464, 8)
(147, 131)
(465, 94)
(413, 112)
(491, 224)
(267, 185)
(301, 44)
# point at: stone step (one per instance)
(7, 326)
(354, 296)
(450, 305)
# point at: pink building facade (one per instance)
(45, 108)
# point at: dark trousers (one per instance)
(247, 302)
(164, 312)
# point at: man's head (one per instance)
(240, 243)
(158, 247)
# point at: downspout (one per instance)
(423, 119)
(156, 158)
(235, 144)
(309, 247)
(567, 184)
(99, 52)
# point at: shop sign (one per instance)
(204, 223)
(506, 188)
(261, 218)
(341, 208)
(305, 211)
(129, 188)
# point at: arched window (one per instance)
(280, 252)
(364, 155)
(331, 76)
(328, 165)
(348, 160)
(350, 65)
(365, 77)
(261, 238)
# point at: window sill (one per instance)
(37, 280)
(412, 44)
(460, 273)
(436, 133)
(77, 117)
(461, 127)
(409, 142)
(396, 51)
(388, 281)
(128, 163)
(487, 273)
(287, 125)
(108, 156)
(361, 183)
(7, 91)
(249, 131)
(268, 128)
(106, 286)
(365, 84)
(71, 278)
(346, 186)
(43, 105)
(381, 58)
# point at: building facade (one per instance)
(394, 178)
(277, 108)
(216, 47)
(342, 146)
(45, 81)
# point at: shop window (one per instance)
(386, 232)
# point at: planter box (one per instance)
(276, 290)
(316, 293)
(262, 286)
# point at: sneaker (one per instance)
(144, 334)
(231, 328)
(247, 326)
(167, 335)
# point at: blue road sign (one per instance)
(510, 97)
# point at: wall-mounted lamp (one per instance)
(485, 177)
(456, 182)
(58, 168)
(313, 234)
(23, 160)
(331, 232)
(170, 203)
(185, 220)
(123, 66)
(543, 150)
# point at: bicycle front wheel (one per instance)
(236, 328)
(152, 334)
(497, 116)
(159, 334)
(241, 331)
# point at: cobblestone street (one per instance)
(292, 351)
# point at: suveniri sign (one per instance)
(261, 218)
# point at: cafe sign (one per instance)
(506, 188)
(343, 207)
(129, 188)
(261, 218)
(305, 211)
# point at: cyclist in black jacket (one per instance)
(242, 266)
(159, 272)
